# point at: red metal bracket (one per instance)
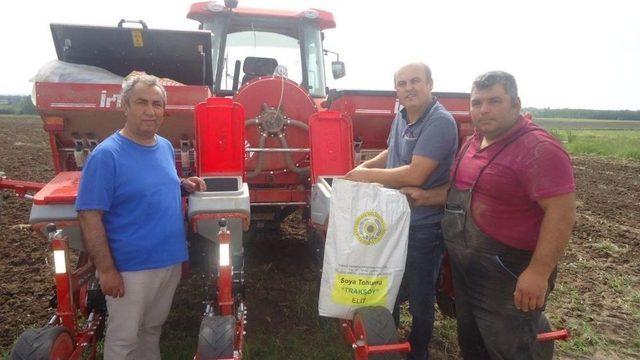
(225, 274)
(68, 286)
(362, 351)
(20, 187)
(66, 305)
(193, 222)
(562, 334)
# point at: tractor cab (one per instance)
(250, 43)
(271, 62)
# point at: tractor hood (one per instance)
(183, 56)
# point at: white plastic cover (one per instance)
(57, 71)
(365, 250)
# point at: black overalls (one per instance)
(485, 273)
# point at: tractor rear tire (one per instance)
(377, 327)
(43, 344)
(217, 337)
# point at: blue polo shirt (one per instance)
(435, 136)
(138, 190)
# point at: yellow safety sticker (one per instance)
(136, 35)
(361, 290)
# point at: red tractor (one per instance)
(249, 111)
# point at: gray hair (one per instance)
(492, 78)
(427, 71)
(131, 81)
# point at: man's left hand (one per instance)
(193, 183)
(358, 174)
(415, 195)
(531, 290)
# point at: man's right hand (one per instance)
(111, 283)
(436, 196)
(358, 174)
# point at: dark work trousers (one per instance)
(424, 256)
(485, 273)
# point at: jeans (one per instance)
(424, 256)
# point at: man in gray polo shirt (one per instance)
(421, 147)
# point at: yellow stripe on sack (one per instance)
(360, 290)
(136, 35)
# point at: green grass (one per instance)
(303, 335)
(623, 144)
(584, 339)
(19, 116)
(587, 124)
(307, 336)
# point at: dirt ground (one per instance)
(597, 295)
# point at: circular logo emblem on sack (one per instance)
(369, 228)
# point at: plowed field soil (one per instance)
(597, 295)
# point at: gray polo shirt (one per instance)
(435, 136)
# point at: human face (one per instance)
(493, 112)
(144, 111)
(413, 88)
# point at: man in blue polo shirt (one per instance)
(421, 148)
(130, 212)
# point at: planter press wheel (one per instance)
(217, 337)
(277, 112)
(55, 343)
(376, 326)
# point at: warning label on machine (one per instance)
(360, 289)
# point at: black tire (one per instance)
(217, 337)
(43, 344)
(379, 329)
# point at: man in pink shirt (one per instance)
(508, 217)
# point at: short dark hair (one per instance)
(492, 78)
(427, 71)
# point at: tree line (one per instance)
(17, 105)
(584, 114)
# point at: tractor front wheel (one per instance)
(44, 344)
(376, 326)
(217, 337)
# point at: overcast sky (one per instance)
(575, 54)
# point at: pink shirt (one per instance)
(504, 202)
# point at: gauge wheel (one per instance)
(44, 344)
(376, 326)
(217, 337)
